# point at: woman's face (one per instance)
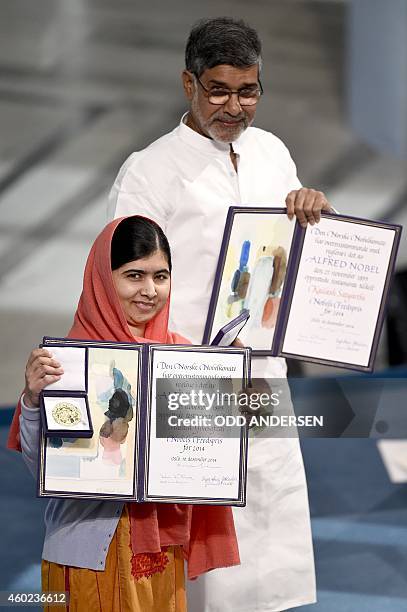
(143, 286)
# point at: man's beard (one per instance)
(214, 129)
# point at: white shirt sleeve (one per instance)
(133, 194)
(293, 181)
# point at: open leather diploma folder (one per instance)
(114, 426)
(317, 294)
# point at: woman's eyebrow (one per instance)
(139, 271)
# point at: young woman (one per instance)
(112, 556)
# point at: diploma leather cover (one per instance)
(127, 458)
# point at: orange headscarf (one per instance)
(206, 532)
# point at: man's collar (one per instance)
(205, 144)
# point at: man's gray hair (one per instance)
(222, 40)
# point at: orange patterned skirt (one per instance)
(115, 589)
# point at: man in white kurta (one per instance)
(186, 181)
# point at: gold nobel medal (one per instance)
(66, 414)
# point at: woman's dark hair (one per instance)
(135, 238)
(221, 40)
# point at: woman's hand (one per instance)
(41, 370)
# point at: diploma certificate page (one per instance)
(338, 291)
(194, 467)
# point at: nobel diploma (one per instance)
(337, 303)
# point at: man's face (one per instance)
(222, 123)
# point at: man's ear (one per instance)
(188, 84)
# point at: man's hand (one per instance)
(306, 205)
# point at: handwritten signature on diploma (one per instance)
(209, 481)
(175, 478)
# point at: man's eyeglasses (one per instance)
(248, 96)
